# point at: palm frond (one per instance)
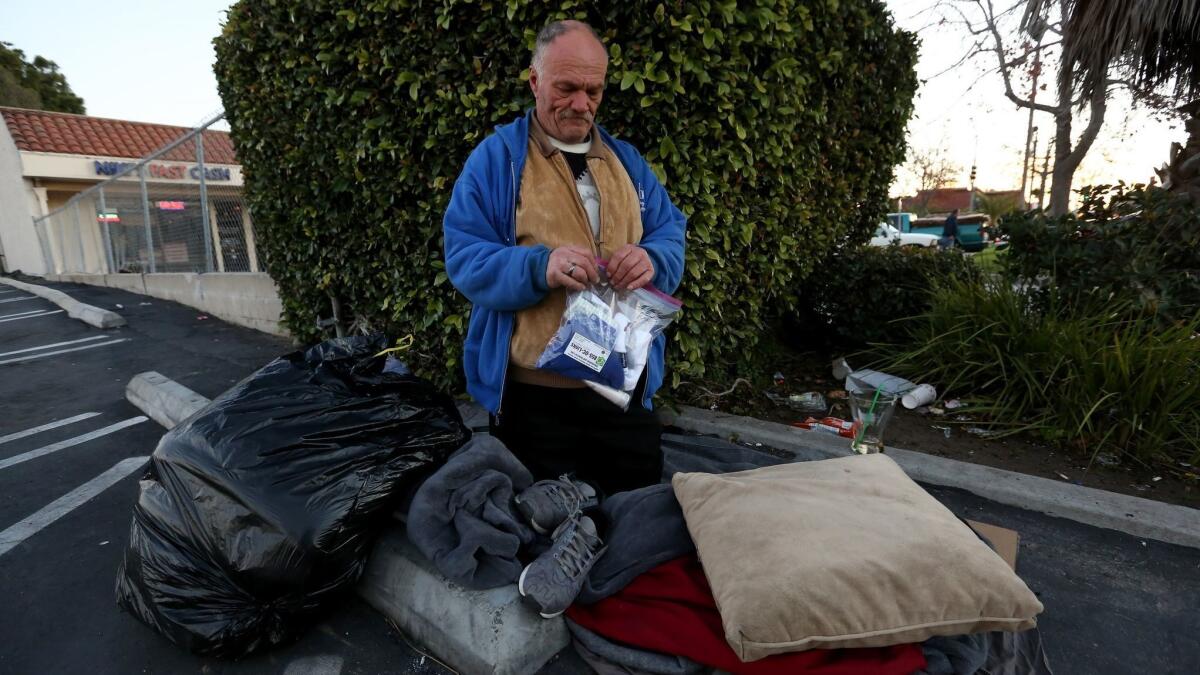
(1152, 43)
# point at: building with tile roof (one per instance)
(66, 134)
(49, 160)
(942, 201)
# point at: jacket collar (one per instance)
(542, 140)
(515, 136)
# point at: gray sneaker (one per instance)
(553, 581)
(548, 503)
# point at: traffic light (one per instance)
(972, 173)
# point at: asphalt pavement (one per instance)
(70, 458)
(1115, 604)
(69, 461)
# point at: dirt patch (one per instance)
(1179, 484)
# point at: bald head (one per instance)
(567, 76)
(552, 31)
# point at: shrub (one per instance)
(860, 293)
(775, 124)
(1093, 376)
(1140, 244)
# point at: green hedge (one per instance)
(863, 295)
(1140, 244)
(775, 125)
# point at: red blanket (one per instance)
(670, 609)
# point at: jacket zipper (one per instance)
(564, 172)
(512, 173)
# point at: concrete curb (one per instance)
(1132, 515)
(248, 299)
(162, 399)
(91, 315)
(476, 632)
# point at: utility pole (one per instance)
(1028, 167)
(1032, 162)
(1045, 170)
(971, 204)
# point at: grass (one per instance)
(990, 260)
(1092, 378)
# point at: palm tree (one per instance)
(1153, 44)
(995, 206)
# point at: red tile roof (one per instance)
(41, 131)
(945, 200)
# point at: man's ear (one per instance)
(533, 79)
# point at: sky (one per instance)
(143, 60)
(152, 61)
(962, 110)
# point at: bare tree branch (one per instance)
(970, 25)
(1031, 51)
(930, 169)
(975, 49)
(989, 19)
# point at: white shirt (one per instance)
(584, 185)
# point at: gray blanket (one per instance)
(600, 652)
(644, 528)
(462, 517)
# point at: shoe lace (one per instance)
(565, 491)
(575, 555)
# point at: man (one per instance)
(949, 231)
(537, 203)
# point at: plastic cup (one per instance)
(871, 411)
(841, 369)
(923, 394)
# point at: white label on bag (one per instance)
(587, 352)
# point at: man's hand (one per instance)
(571, 267)
(630, 268)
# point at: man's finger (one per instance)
(573, 285)
(589, 265)
(618, 266)
(585, 271)
(572, 257)
(642, 279)
(642, 273)
(617, 280)
(635, 266)
(569, 282)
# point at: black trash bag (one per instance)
(261, 507)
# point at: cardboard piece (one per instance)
(1006, 541)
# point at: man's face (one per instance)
(569, 85)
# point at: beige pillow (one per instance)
(846, 552)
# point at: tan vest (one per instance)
(550, 212)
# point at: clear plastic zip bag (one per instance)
(648, 312)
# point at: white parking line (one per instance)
(55, 447)
(62, 351)
(47, 427)
(13, 536)
(320, 664)
(28, 311)
(56, 344)
(31, 315)
(28, 297)
(11, 290)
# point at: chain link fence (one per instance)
(170, 211)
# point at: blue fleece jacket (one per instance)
(499, 278)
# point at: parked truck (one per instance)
(973, 233)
